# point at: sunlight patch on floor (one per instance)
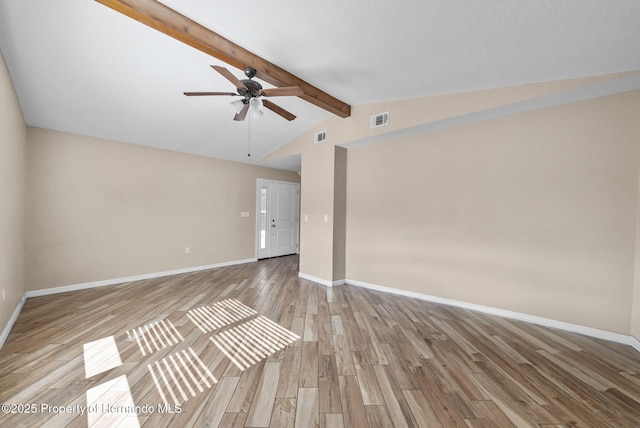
(253, 341)
(155, 336)
(100, 355)
(112, 405)
(219, 315)
(181, 376)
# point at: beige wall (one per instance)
(101, 210)
(534, 213)
(413, 112)
(12, 184)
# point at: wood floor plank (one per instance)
(344, 361)
(213, 409)
(421, 409)
(246, 389)
(331, 420)
(284, 413)
(400, 367)
(353, 411)
(396, 414)
(452, 397)
(262, 405)
(571, 413)
(325, 339)
(311, 328)
(325, 297)
(371, 342)
(440, 402)
(290, 373)
(530, 400)
(492, 415)
(233, 420)
(369, 388)
(328, 387)
(377, 416)
(362, 358)
(504, 402)
(309, 365)
(307, 408)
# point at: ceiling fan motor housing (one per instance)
(253, 89)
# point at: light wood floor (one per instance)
(254, 346)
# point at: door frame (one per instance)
(259, 183)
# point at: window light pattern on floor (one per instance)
(219, 315)
(155, 336)
(253, 341)
(100, 356)
(112, 405)
(181, 376)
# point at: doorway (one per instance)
(277, 214)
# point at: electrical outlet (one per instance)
(187, 250)
(3, 294)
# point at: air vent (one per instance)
(320, 137)
(381, 119)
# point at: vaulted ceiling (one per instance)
(81, 67)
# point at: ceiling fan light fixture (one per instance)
(238, 105)
(255, 105)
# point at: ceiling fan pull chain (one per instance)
(249, 143)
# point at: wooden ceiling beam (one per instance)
(166, 20)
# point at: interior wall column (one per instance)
(635, 301)
(339, 214)
(322, 214)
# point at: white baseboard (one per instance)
(320, 280)
(94, 284)
(12, 321)
(561, 325)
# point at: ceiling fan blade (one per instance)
(229, 76)
(283, 91)
(278, 110)
(242, 114)
(199, 94)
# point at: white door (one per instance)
(277, 218)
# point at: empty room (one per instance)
(319, 214)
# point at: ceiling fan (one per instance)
(251, 93)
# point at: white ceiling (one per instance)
(81, 67)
